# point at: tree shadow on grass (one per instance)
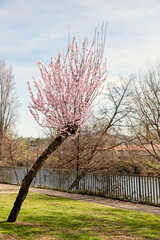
(23, 230)
(65, 226)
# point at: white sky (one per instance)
(38, 29)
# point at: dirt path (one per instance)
(7, 188)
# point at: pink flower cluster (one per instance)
(68, 88)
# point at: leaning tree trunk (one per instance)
(31, 174)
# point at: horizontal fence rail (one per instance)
(144, 189)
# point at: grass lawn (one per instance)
(46, 217)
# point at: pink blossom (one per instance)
(68, 88)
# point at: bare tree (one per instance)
(92, 152)
(144, 120)
(8, 102)
(116, 107)
(81, 154)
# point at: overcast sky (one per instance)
(38, 29)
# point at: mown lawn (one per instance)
(46, 217)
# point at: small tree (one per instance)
(64, 99)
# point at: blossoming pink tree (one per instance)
(64, 99)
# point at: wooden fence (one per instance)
(144, 189)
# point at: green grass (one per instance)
(46, 217)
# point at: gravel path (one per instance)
(7, 188)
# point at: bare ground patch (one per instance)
(111, 234)
(9, 237)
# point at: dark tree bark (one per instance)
(77, 162)
(31, 174)
(77, 180)
(0, 149)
